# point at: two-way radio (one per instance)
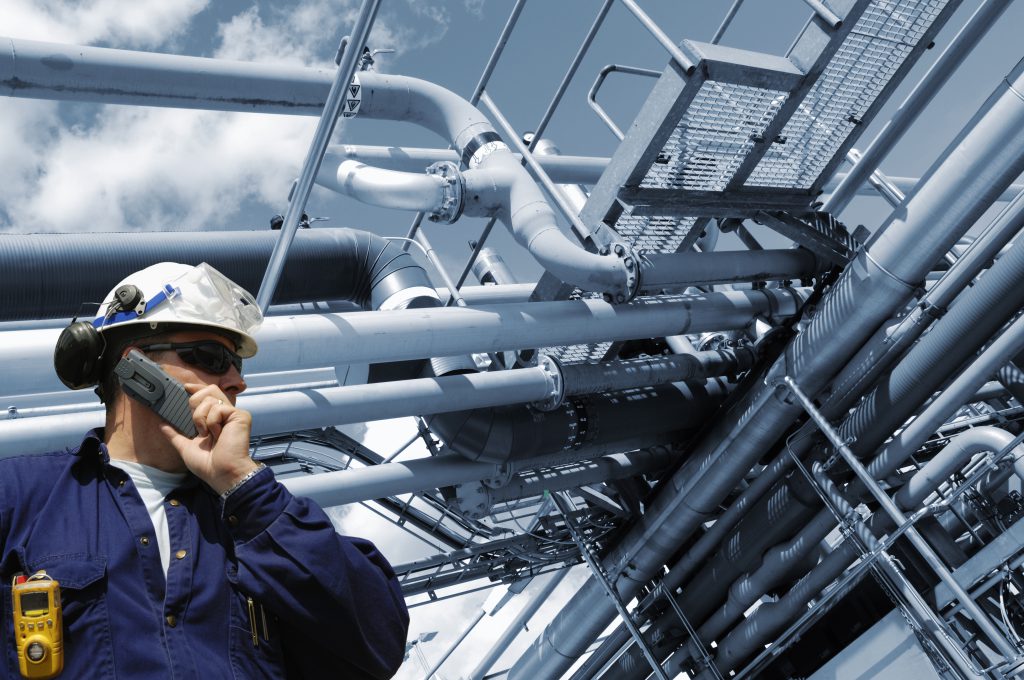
(143, 380)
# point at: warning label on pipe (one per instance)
(352, 98)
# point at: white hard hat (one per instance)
(173, 293)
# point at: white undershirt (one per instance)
(153, 486)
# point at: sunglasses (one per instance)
(207, 355)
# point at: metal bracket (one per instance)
(823, 235)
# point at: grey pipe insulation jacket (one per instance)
(513, 432)
(323, 264)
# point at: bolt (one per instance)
(629, 263)
(619, 250)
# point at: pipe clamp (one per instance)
(453, 192)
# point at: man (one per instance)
(181, 557)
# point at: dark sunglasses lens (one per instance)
(212, 357)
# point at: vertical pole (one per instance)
(315, 155)
(448, 652)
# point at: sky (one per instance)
(70, 167)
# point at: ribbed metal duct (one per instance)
(52, 275)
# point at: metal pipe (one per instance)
(499, 48)
(953, 456)
(462, 636)
(825, 14)
(314, 156)
(317, 340)
(501, 645)
(561, 168)
(413, 476)
(384, 188)
(989, 155)
(534, 224)
(297, 410)
(574, 65)
(726, 21)
(652, 27)
(662, 411)
(934, 562)
(630, 373)
(959, 47)
(680, 270)
(42, 70)
(1009, 343)
(904, 185)
(598, 572)
(606, 468)
(879, 181)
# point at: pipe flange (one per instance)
(556, 383)
(472, 499)
(501, 477)
(631, 266)
(453, 192)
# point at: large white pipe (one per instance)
(316, 340)
(954, 456)
(561, 169)
(384, 188)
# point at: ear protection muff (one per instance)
(78, 355)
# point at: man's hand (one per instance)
(219, 454)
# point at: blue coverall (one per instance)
(259, 587)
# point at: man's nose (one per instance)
(232, 384)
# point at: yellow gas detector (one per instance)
(38, 628)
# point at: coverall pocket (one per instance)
(255, 639)
(83, 586)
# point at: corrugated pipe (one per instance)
(877, 355)
(989, 154)
(323, 264)
(975, 317)
(1010, 342)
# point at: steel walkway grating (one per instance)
(712, 139)
(877, 47)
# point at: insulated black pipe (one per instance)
(52, 275)
(515, 432)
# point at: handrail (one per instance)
(592, 95)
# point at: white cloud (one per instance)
(136, 168)
(140, 23)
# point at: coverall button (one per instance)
(180, 554)
(121, 483)
(171, 620)
(175, 502)
(144, 540)
(232, 520)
